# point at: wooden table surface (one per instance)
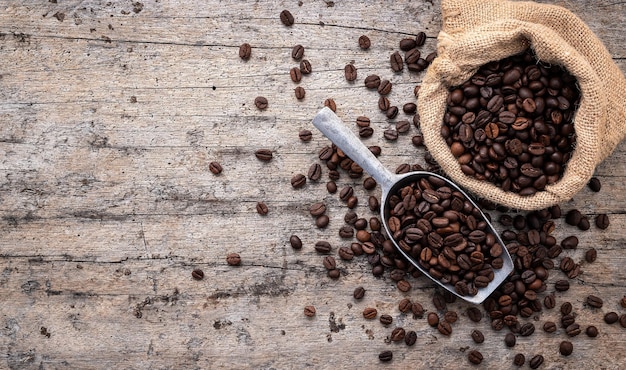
(110, 113)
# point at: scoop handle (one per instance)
(331, 126)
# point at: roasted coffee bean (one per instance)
(295, 74)
(622, 320)
(305, 135)
(594, 184)
(295, 242)
(567, 320)
(475, 357)
(315, 172)
(329, 263)
(572, 330)
(197, 274)
(233, 259)
(287, 18)
(383, 103)
(245, 50)
(410, 338)
(602, 221)
(549, 327)
(309, 311)
(369, 183)
(403, 286)
(571, 242)
(611, 318)
(474, 314)
(364, 42)
(566, 348)
(593, 301)
(305, 69)
(591, 255)
(345, 253)
(478, 336)
(402, 127)
(561, 285)
(261, 208)
(584, 223)
(317, 209)
(444, 328)
(215, 168)
(591, 331)
(405, 305)
(433, 319)
(536, 361)
(264, 155)
(418, 140)
(322, 221)
(392, 112)
(350, 72)
(323, 247)
(359, 293)
(385, 319)
(385, 356)
(519, 360)
(549, 301)
(298, 181)
(566, 308)
(372, 82)
(397, 64)
(365, 132)
(297, 52)
(346, 232)
(391, 134)
(260, 102)
(451, 317)
(509, 340)
(417, 309)
(370, 313)
(527, 329)
(573, 217)
(299, 92)
(384, 87)
(397, 334)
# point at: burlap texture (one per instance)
(476, 32)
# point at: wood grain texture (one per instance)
(110, 113)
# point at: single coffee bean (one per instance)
(345, 253)
(287, 18)
(611, 318)
(295, 74)
(323, 247)
(309, 311)
(370, 313)
(593, 301)
(322, 221)
(566, 308)
(262, 209)
(365, 132)
(570, 242)
(567, 320)
(346, 232)
(407, 44)
(549, 327)
(509, 339)
(549, 301)
(350, 72)
(372, 82)
(527, 329)
(478, 336)
(403, 286)
(397, 64)
(451, 317)
(305, 69)
(566, 348)
(474, 314)
(264, 155)
(364, 42)
(519, 360)
(433, 319)
(622, 320)
(215, 168)
(315, 172)
(420, 39)
(591, 331)
(329, 263)
(405, 305)
(410, 338)
(385, 319)
(444, 327)
(298, 181)
(260, 102)
(418, 310)
(591, 255)
(561, 285)
(402, 127)
(385, 356)
(573, 217)
(369, 183)
(245, 50)
(297, 52)
(295, 242)
(317, 209)
(594, 184)
(305, 135)
(536, 361)
(584, 223)
(602, 221)
(384, 87)
(572, 330)
(359, 293)
(391, 134)
(299, 92)
(233, 259)
(197, 274)
(392, 112)
(397, 334)
(475, 357)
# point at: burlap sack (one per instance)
(476, 32)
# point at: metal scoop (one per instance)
(332, 127)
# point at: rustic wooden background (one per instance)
(110, 112)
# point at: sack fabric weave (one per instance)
(476, 32)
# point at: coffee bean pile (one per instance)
(512, 123)
(446, 234)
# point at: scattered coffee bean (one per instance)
(573, 330)
(519, 360)
(309, 311)
(591, 255)
(584, 223)
(299, 92)
(407, 44)
(392, 112)
(295, 74)
(264, 155)
(509, 340)
(305, 135)
(602, 221)
(350, 72)
(298, 181)
(397, 334)
(197, 274)
(622, 320)
(215, 168)
(297, 52)
(370, 313)
(594, 184)
(323, 247)
(410, 338)
(593, 301)
(417, 310)
(444, 328)
(433, 319)
(262, 209)
(611, 318)
(567, 320)
(305, 68)
(549, 327)
(385, 356)
(549, 301)
(295, 242)
(331, 187)
(405, 305)
(397, 64)
(372, 82)
(233, 259)
(364, 42)
(322, 221)
(566, 348)
(475, 357)
(359, 293)
(391, 134)
(287, 18)
(403, 286)
(561, 285)
(402, 127)
(591, 331)
(245, 50)
(451, 317)
(566, 308)
(315, 172)
(420, 39)
(409, 108)
(477, 336)
(384, 87)
(260, 102)
(329, 263)
(536, 361)
(474, 314)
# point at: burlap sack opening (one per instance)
(476, 32)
